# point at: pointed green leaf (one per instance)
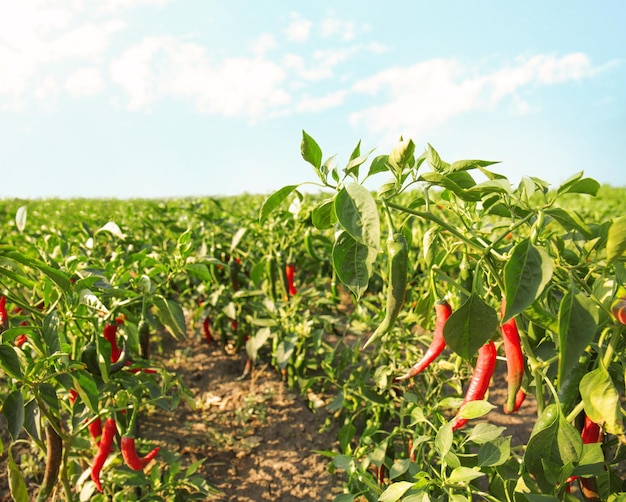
(469, 327)
(13, 411)
(434, 160)
(380, 164)
(323, 215)
(311, 151)
(9, 361)
(616, 240)
(171, 315)
(466, 165)
(357, 213)
(526, 273)
(577, 184)
(495, 452)
(570, 221)
(395, 491)
(463, 475)
(353, 263)
(274, 200)
(578, 321)
(17, 485)
(87, 389)
(553, 444)
(401, 155)
(443, 440)
(601, 400)
(51, 333)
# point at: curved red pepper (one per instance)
(129, 453)
(104, 449)
(290, 271)
(110, 335)
(481, 378)
(443, 312)
(206, 328)
(514, 363)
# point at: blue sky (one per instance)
(165, 98)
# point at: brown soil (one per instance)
(257, 437)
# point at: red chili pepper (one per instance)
(479, 383)
(4, 317)
(20, 340)
(514, 363)
(104, 449)
(109, 333)
(206, 328)
(592, 432)
(619, 310)
(73, 395)
(443, 311)
(95, 429)
(290, 271)
(129, 453)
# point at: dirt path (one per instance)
(257, 437)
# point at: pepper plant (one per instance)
(525, 275)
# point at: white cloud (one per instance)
(299, 65)
(333, 26)
(332, 100)
(263, 44)
(85, 82)
(298, 29)
(162, 67)
(427, 94)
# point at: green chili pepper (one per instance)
(398, 255)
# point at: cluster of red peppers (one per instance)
(485, 364)
(104, 436)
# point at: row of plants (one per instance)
(392, 303)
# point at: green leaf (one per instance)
(466, 165)
(357, 213)
(448, 183)
(311, 151)
(526, 273)
(577, 185)
(344, 462)
(274, 200)
(495, 452)
(399, 467)
(199, 271)
(469, 327)
(323, 215)
(32, 424)
(9, 361)
(601, 400)
(578, 321)
(570, 221)
(344, 497)
(401, 156)
(476, 409)
(13, 410)
(434, 160)
(87, 297)
(443, 440)
(171, 315)
(284, 351)
(17, 485)
(485, 432)
(255, 342)
(463, 475)
(553, 444)
(20, 218)
(57, 276)
(380, 164)
(51, 332)
(616, 239)
(395, 491)
(87, 389)
(353, 263)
